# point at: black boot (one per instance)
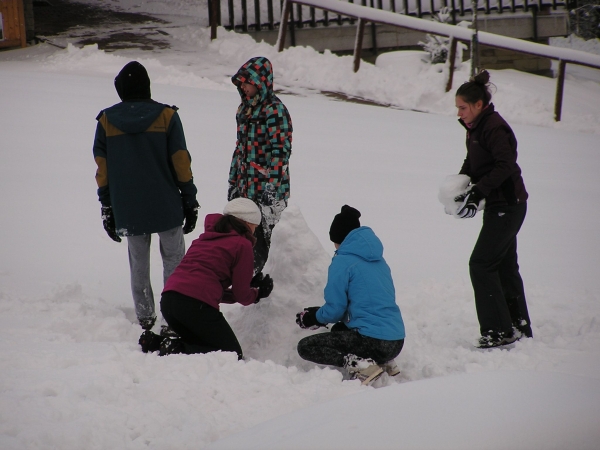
(492, 339)
(520, 324)
(150, 342)
(171, 346)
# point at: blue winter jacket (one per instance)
(360, 290)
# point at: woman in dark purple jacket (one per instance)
(217, 268)
(491, 163)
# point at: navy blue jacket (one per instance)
(144, 167)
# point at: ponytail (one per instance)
(477, 88)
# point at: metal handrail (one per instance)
(361, 14)
(419, 9)
(455, 33)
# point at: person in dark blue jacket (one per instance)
(360, 300)
(145, 182)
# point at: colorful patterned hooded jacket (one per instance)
(259, 166)
(144, 167)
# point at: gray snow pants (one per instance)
(172, 250)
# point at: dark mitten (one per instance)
(232, 192)
(340, 326)
(307, 318)
(469, 203)
(268, 196)
(191, 217)
(108, 220)
(265, 286)
(256, 280)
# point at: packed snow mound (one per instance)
(298, 265)
(492, 410)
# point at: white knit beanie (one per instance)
(244, 209)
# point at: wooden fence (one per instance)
(257, 15)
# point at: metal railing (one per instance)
(361, 15)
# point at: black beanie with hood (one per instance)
(133, 82)
(343, 223)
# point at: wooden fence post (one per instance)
(560, 83)
(452, 58)
(215, 7)
(360, 32)
(285, 15)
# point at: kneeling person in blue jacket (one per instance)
(360, 299)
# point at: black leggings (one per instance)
(201, 327)
(331, 347)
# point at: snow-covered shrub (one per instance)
(437, 46)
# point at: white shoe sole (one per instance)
(371, 378)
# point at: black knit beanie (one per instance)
(133, 82)
(343, 223)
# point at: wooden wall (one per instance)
(13, 23)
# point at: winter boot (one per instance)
(492, 339)
(149, 341)
(171, 346)
(522, 328)
(167, 331)
(147, 323)
(521, 325)
(391, 368)
(364, 369)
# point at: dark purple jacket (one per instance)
(213, 263)
(491, 160)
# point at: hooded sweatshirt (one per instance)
(144, 168)
(360, 290)
(213, 263)
(259, 166)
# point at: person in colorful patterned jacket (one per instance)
(145, 182)
(259, 166)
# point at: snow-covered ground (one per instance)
(73, 375)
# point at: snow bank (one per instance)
(493, 410)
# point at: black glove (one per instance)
(232, 192)
(256, 280)
(469, 203)
(191, 217)
(108, 220)
(268, 196)
(307, 318)
(264, 285)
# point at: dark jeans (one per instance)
(497, 284)
(261, 248)
(201, 327)
(331, 347)
(270, 218)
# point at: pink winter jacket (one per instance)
(213, 263)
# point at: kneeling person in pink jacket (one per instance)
(217, 268)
